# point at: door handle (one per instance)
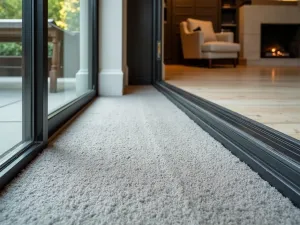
(158, 50)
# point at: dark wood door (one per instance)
(168, 32)
(140, 41)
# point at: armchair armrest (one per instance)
(195, 37)
(225, 36)
(191, 44)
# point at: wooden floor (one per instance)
(268, 95)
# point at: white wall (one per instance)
(163, 42)
(125, 66)
(111, 43)
(250, 31)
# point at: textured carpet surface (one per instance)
(138, 159)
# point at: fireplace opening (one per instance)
(280, 40)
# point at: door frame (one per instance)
(157, 55)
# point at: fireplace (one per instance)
(280, 40)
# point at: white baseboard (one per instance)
(111, 83)
(82, 82)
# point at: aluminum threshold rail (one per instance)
(273, 155)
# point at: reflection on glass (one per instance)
(10, 75)
(68, 33)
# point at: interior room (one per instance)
(241, 55)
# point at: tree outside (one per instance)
(65, 13)
(68, 18)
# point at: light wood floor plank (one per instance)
(268, 95)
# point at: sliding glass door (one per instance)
(48, 72)
(69, 31)
(15, 80)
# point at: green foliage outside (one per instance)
(64, 12)
(10, 49)
(15, 49)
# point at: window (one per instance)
(48, 71)
(69, 52)
(15, 117)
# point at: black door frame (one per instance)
(157, 41)
(272, 154)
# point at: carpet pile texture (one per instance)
(138, 159)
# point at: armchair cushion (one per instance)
(225, 36)
(206, 28)
(220, 46)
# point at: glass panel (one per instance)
(69, 51)
(11, 77)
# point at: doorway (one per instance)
(264, 90)
(252, 109)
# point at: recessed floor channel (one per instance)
(138, 159)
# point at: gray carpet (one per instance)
(138, 159)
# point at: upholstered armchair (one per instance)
(199, 41)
